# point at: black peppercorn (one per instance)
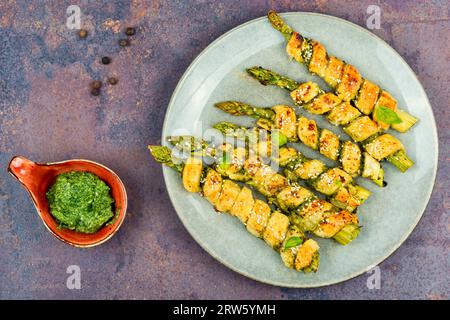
(124, 42)
(385, 183)
(96, 84)
(130, 31)
(113, 80)
(82, 33)
(106, 60)
(95, 91)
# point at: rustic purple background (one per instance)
(47, 114)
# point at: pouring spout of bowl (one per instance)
(20, 167)
(29, 173)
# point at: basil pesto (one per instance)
(80, 201)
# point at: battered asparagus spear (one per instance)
(307, 210)
(314, 100)
(273, 227)
(339, 112)
(377, 146)
(343, 78)
(337, 185)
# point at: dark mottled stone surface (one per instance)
(47, 114)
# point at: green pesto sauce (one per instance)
(80, 201)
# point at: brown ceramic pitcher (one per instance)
(37, 179)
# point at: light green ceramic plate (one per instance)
(218, 74)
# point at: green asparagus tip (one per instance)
(264, 76)
(160, 153)
(163, 155)
(233, 107)
(255, 71)
(401, 160)
(228, 107)
(237, 108)
(347, 234)
(187, 143)
(268, 77)
(279, 24)
(225, 127)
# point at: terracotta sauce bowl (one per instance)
(37, 179)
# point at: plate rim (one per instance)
(355, 274)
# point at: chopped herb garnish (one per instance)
(386, 115)
(293, 242)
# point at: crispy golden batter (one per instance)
(258, 219)
(294, 47)
(319, 60)
(286, 121)
(383, 146)
(212, 186)
(276, 229)
(350, 82)
(329, 144)
(230, 191)
(361, 128)
(305, 254)
(308, 133)
(343, 114)
(243, 205)
(368, 96)
(192, 173)
(310, 169)
(323, 103)
(332, 180)
(334, 223)
(293, 196)
(305, 92)
(351, 158)
(333, 73)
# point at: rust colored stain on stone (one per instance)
(48, 114)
